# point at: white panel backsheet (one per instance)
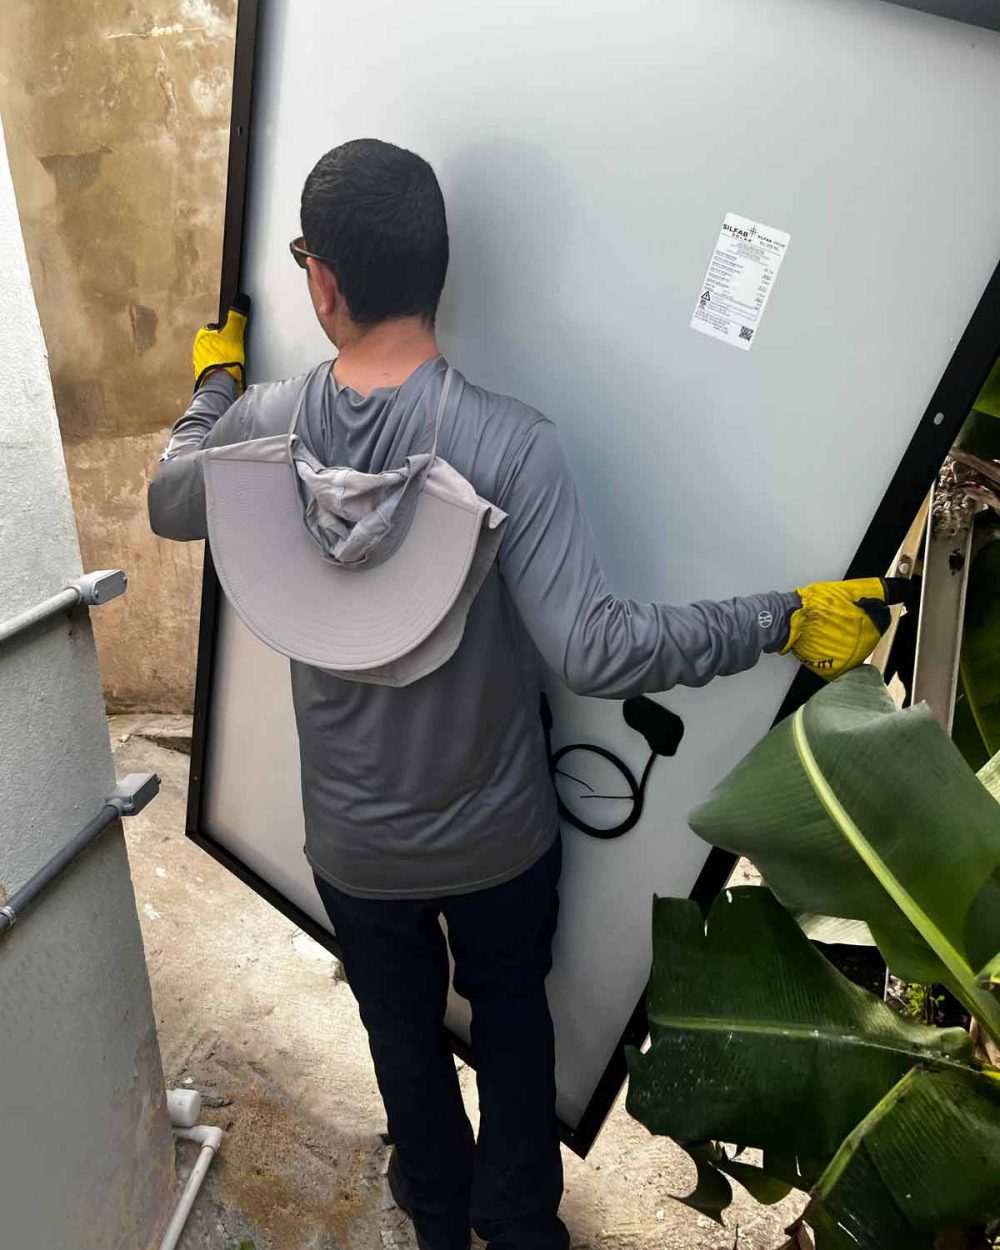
(589, 153)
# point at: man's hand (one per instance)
(838, 625)
(221, 347)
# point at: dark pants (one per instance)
(509, 1184)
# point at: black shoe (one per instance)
(401, 1196)
(397, 1185)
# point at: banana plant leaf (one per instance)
(854, 808)
(965, 732)
(989, 775)
(989, 396)
(757, 1039)
(981, 432)
(925, 1159)
(713, 1193)
(835, 930)
(980, 660)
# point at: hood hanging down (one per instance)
(358, 519)
(368, 575)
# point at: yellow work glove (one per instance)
(221, 347)
(838, 625)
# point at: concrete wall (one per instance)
(87, 1156)
(117, 128)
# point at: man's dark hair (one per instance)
(375, 212)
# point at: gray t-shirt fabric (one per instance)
(443, 786)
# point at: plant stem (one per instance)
(849, 1147)
(853, 1142)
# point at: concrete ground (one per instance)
(256, 1016)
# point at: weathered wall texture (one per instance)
(117, 127)
(87, 1155)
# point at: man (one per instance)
(432, 796)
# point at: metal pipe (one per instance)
(62, 602)
(26, 895)
(127, 798)
(93, 589)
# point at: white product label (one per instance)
(739, 281)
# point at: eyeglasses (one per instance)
(297, 247)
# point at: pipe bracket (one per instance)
(133, 792)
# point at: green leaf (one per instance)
(908, 955)
(798, 1171)
(924, 1159)
(981, 433)
(964, 730)
(989, 775)
(831, 1234)
(712, 1193)
(989, 396)
(990, 974)
(757, 1181)
(756, 1038)
(980, 658)
(835, 930)
(854, 808)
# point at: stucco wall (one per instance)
(117, 128)
(87, 1156)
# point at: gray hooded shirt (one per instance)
(443, 786)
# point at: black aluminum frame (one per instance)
(951, 402)
(972, 12)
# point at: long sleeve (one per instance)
(214, 418)
(600, 644)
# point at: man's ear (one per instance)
(326, 290)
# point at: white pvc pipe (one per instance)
(210, 1139)
(183, 1107)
